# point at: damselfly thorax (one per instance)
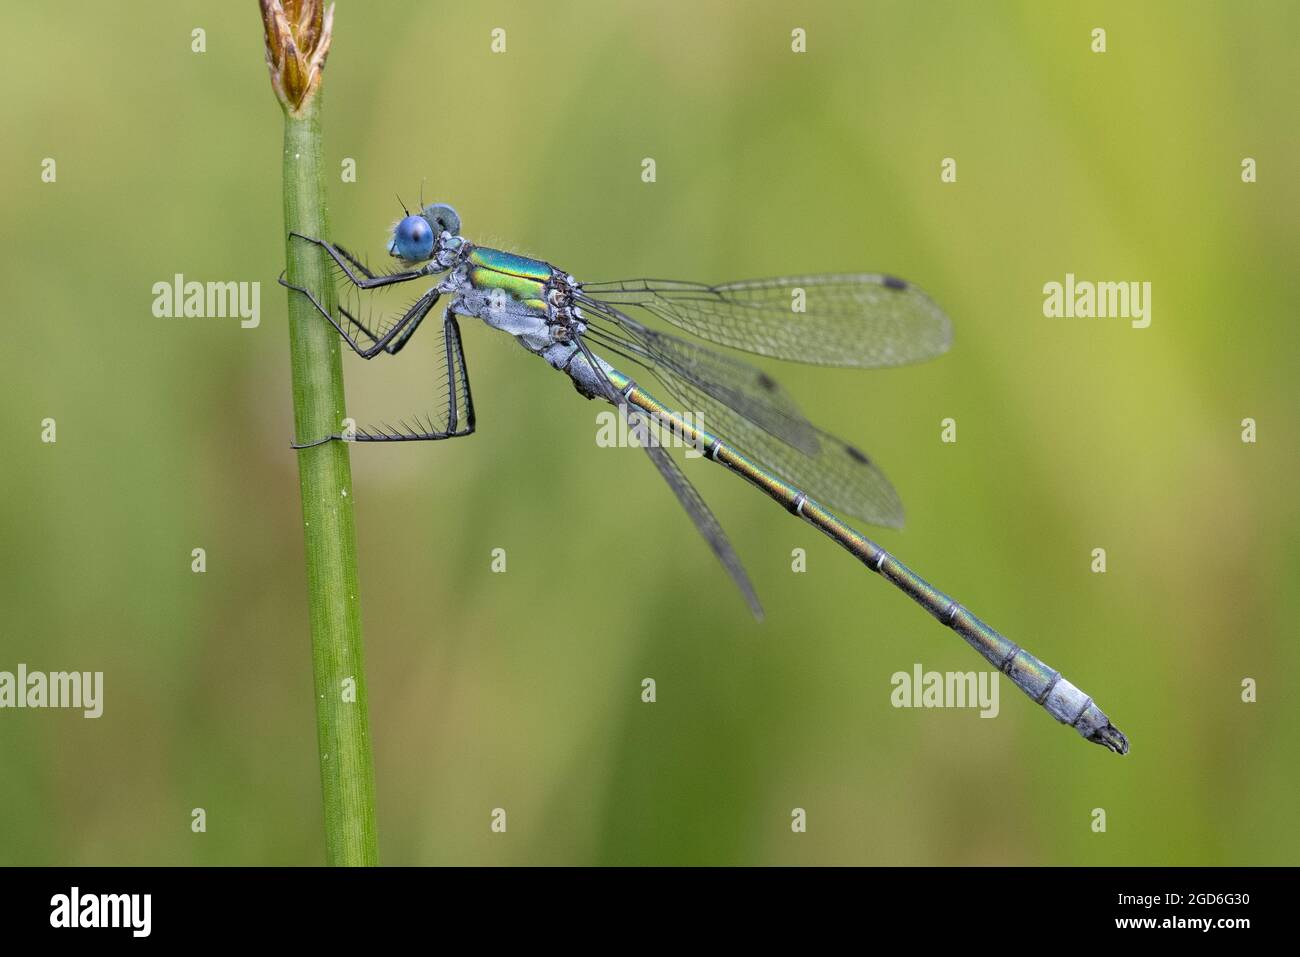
(529, 299)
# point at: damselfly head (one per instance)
(412, 240)
(415, 235)
(442, 218)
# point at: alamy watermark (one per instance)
(633, 428)
(54, 689)
(947, 689)
(127, 911)
(1084, 299)
(211, 300)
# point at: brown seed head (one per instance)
(297, 42)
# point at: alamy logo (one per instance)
(952, 689)
(102, 910)
(632, 428)
(210, 300)
(55, 689)
(1083, 299)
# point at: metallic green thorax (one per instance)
(519, 277)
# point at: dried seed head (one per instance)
(297, 42)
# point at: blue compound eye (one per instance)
(412, 239)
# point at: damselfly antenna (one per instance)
(405, 211)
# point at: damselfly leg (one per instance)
(398, 333)
(391, 336)
(348, 263)
(457, 417)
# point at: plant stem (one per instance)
(325, 477)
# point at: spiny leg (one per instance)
(456, 360)
(414, 315)
(457, 425)
(368, 280)
(399, 343)
(396, 346)
(357, 264)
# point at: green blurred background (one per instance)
(521, 690)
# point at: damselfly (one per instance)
(586, 331)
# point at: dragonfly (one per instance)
(591, 333)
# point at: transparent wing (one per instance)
(704, 520)
(726, 379)
(687, 494)
(747, 408)
(863, 320)
(367, 314)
